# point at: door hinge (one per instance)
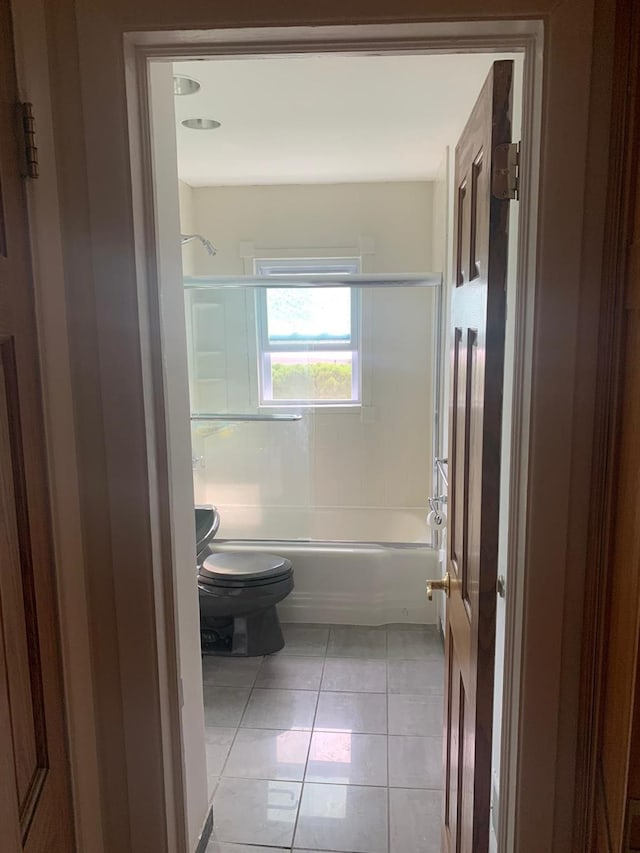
(506, 171)
(27, 123)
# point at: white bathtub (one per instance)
(352, 583)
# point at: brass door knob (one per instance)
(443, 583)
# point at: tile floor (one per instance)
(333, 744)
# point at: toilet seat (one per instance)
(233, 569)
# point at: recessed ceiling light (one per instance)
(201, 123)
(183, 85)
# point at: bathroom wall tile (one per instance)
(356, 676)
(413, 714)
(364, 713)
(251, 811)
(414, 645)
(415, 762)
(223, 706)
(268, 754)
(289, 672)
(347, 758)
(305, 640)
(229, 672)
(280, 709)
(416, 676)
(414, 818)
(350, 641)
(343, 817)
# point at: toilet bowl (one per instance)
(238, 594)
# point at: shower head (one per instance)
(187, 238)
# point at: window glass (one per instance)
(311, 376)
(309, 315)
(308, 337)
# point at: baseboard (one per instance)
(205, 835)
(350, 609)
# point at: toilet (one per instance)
(238, 593)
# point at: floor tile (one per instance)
(290, 673)
(217, 745)
(357, 676)
(324, 757)
(415, 762)
(223, 706)
(251, 811)
(364, 713)
(409, 644)
(414, 818)
(309, 640)
(347, 758)
(354, 641)
(268, 754)
(229, 672)
(415, 715)
(343, 817)
(223, 847)
(212, 784)
(280, 709)
(416, 676)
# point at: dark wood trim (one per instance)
(624, 145)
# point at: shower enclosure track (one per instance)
(427, 279)
(242, 417)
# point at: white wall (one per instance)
(187, 226)
(175, 385)
(362, 473)
(394, 217)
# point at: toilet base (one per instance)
(252, 635)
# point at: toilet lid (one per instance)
(244, 567)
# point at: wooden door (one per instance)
(617, 794)
(477, 340)
(614, 801)
(35, 800)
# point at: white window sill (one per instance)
(348, 409)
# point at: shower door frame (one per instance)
(525, 37)
(360, 281)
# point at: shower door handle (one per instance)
(443, 584)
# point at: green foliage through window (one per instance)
(315, 381)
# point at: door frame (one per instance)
(619, 263)
(142, 48)
(555, 432)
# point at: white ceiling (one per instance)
(325, 119)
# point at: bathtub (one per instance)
(352, 583)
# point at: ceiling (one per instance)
(325, 119)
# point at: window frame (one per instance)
(307, 267)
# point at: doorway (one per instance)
(204, 375)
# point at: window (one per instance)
(308, 337)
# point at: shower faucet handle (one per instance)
(443, 584)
